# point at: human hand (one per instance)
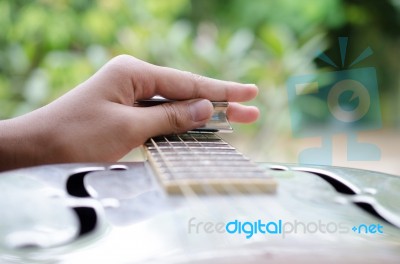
(96, 121)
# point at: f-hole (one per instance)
(87, 219)
(75, 185)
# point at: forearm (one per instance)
(20, 143)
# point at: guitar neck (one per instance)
(201, 162)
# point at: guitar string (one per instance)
(241, 196)
(229, 197)
(238, 198)
(202, 211)
(229, 188)
(189, 194)
(246, 188)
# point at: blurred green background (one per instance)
(47, 47)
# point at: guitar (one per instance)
(196, 199)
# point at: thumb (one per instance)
(176, 117)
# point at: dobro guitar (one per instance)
(197, 199)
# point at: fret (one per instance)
(202, 160)
(203, 163)
(195, 151)
(192, 155)
(217, 175)
(193, 148)
(205, 169)
(201, 157)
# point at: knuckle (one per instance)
(124, 63)
(174, 117)
(196, 77)
(196, 80)
(123, 59)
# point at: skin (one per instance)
(97, 122)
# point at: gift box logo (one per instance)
(343, 101)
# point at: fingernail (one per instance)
(200, 110)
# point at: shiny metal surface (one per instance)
(135, 221)
(217, 123)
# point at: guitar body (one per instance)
(119, 213)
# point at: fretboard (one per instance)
(202, 162)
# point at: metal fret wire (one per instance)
(242, 206)
(208, 212)
(231, 189)
(188, 192)
(225, 161)
(198, 207)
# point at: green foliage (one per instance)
(48, 47)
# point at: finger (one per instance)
(180, 85)
(172, 118)
(242, 113)
(139, 80)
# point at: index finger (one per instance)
(182, 85)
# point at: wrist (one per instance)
(22, 142)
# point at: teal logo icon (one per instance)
(329, 103)
(357, 91)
